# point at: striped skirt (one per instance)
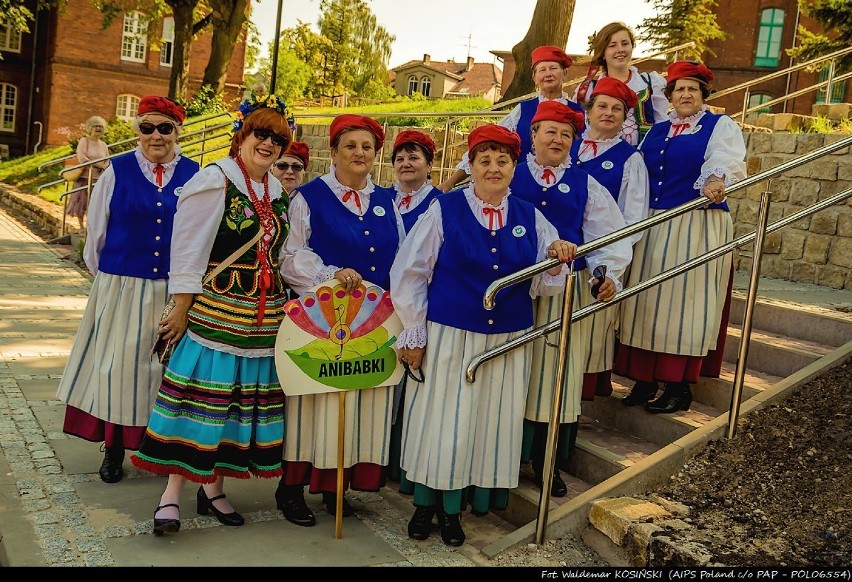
(602, 326)
(110, 373)
(545, 357)
(456, 434)
(682, 315)
(216, 414)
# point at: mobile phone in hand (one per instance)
(600, 274)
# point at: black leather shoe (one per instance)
(677, 396)
(330, 501)
(111, 471)
(420, 525)
(205, 506)
(558, 488)
(290, 499)
(451, 529)
(641, 393)
(162, 526)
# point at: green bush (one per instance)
(205, 102)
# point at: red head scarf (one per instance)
(352, 121)
(560, 113)
(550, 53)
(689, 70)
(497, 134)
(163, 105)
(615, 88)
(298, 149)
(414, 136)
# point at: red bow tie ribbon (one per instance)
(548, 176)
(590, 144)
(350, 194)
(406, 201)
(159, 170)
(679, 128)
(494, 215)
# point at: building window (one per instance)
(167, 48)
(126, 106)
(838, 89)
(769, 38)
(756, 99)
(133, 37)
(10, 39)
(425, 86)
(412, 85)
(8, 99)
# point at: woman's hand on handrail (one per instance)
(563, 251)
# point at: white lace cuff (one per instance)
(718, 171)
(412, 337)
(325, 274)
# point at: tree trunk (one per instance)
(228, 20)
(551, 22)
(182, 11)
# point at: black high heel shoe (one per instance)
(169, 525)
(111, 470)
(205, 506)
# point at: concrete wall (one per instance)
(814, 250)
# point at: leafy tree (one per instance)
(308, 48)
(228, 19)
(678, 22)
(551, 22)
(359, 47)
(16, 13)
(294, 76)
(834, 16)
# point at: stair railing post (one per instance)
(556, 406)
(742, 357)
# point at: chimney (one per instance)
(426, 59)
(469, 63)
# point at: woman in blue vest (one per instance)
(612, 52)
(674, 332)
(461, 441)
(550, 66)
(413, 152)
(582, 210)
(347, 229)
(220, 409)
(619, 167)
(110, 380)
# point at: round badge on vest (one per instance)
(378, 211)
(564, 188)
(696, 130)
(519, 231)
(607, 165)
(178, 190)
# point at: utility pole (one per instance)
(274, 73)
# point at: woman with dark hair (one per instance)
(612, 52)
(110, 382)
(347, 229)
(220, 409)
(413, 152)
(290, 168)
(462, 442)
(675, 332)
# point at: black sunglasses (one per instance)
(164, 128)
(263, 134)
(600, 274)
(284, 166)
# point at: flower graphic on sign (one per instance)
(351, 347)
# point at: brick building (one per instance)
(67, 68)
(758, 32)
(447, 79)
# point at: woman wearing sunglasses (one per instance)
(582, 210)
(110, 381)
(291, 167)
(220, 409)
(345, 229)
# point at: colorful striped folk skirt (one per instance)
(216, 414)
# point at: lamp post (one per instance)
(275, 48)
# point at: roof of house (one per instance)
(477, 81)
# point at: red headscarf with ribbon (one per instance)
(164, 105)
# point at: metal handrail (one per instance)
(789, 96)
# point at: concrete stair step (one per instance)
(774, 353)
(716, 392)
(806, 322)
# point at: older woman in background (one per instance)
(550, 66)
(90, 147)
(619, 167)
(347, 229)
(675, 331)
(461, 442)
(612, 52)
(110, 381)
(290, 168)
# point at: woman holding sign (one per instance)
(345, 230)
(462, 442)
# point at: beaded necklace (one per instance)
(263, 207)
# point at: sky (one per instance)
(452, 29)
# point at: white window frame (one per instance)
(412, 85)
(134, 38)
(10, 38)
(167, 47)
(126, 106)
(426, 86)
(8, 105)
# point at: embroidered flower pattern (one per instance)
(256, 101)
(239, 215)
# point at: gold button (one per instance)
(360, 218)
(159, 203)
(367, 232)
(493, 250)
(156, 253)
(544, 202)
(496, 267)
(155, 269)
(493, 233)
(159, 221)
(157, 237)
(372, 268)
(159, 189)
(490, 322)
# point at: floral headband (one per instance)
(256, 101)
